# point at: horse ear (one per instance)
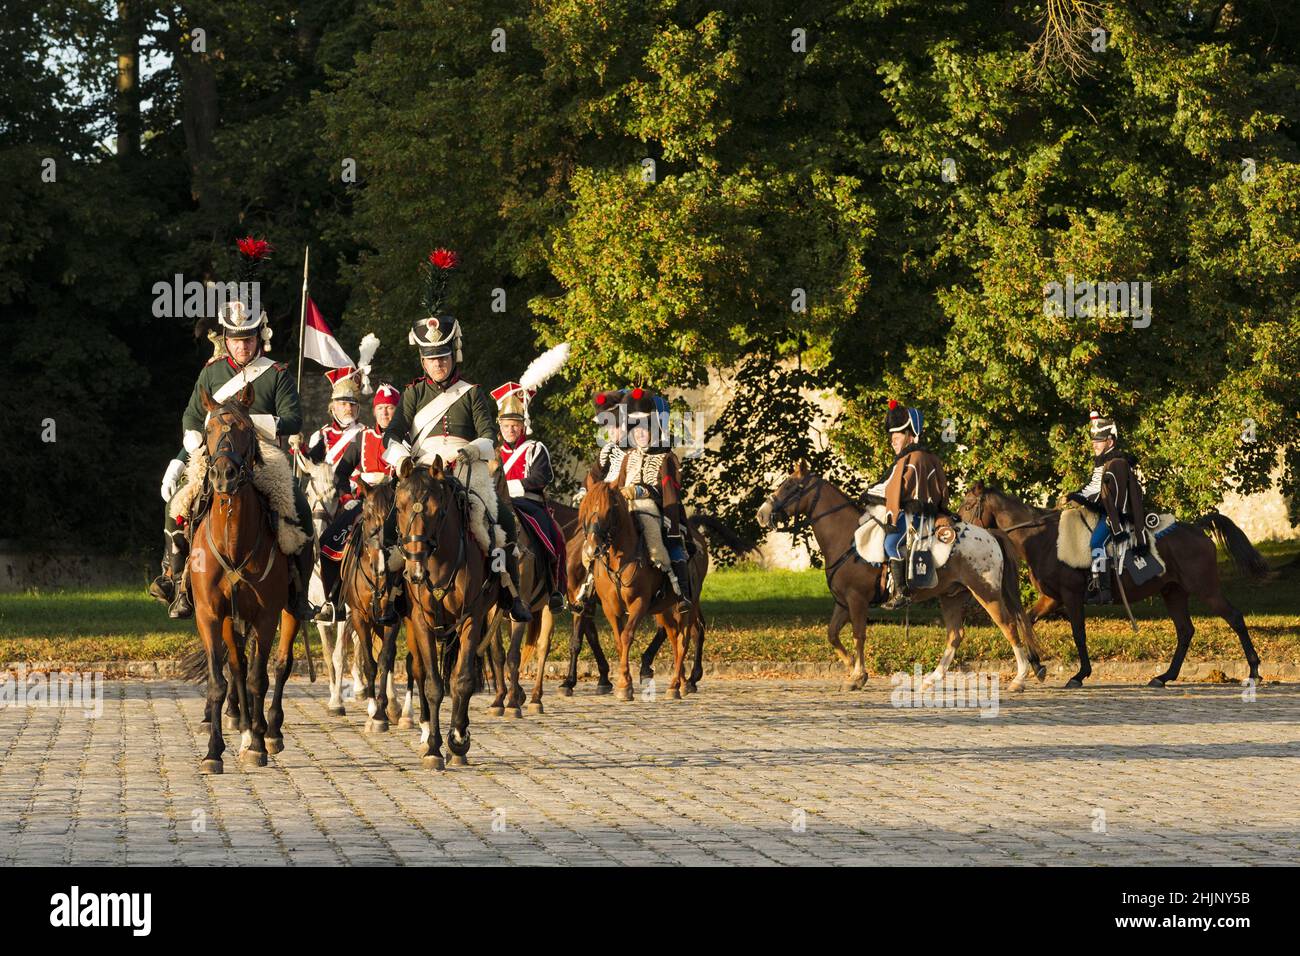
(593, 478)
(977, 486)
(435, 468)
(246, 396)
(801, 468)
(206, 396)
(363, 489)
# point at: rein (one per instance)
(235, 574)
(801, 522)
(438, 591)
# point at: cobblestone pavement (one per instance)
(746, 772)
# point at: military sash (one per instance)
(429, 416)
(245, 376)
(335, 451)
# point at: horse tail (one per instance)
(1244, 555)
(194, 665)
(735, 542)
(1011, 592)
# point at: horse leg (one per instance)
(346, 633)
(1176, 600)
(856, 678)
(651, 651)
(406, 722)
(237, 661)
(388, 657)
(953, 610)
(283, 668)
(330, 657)
(496, 657)
(624, 626)
(603, 683)
(516, 698)
(1042, 607)
(1074, 611)
(254, 753)
(462, 688)
(216, 649)
(376, 706)
(429, 685)
(542, 635)
(697, 672)
(1010, 624)
(575, 645)
(1220, 606)
(839, 617)
(677, 634)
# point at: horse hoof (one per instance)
(645, 676)
(514, 712)
(206, 726)
(459, 760)
(1073, 683)
(623, 693)
(535, 707)
(394, 714)
(229, 723)
(252, 758)
(496, 711)
(1016, 686)
(211, 766)
(274, 745)
(604, 687)
(1041, 673)
(673, 694)
(336, 710)
(690, 688)
(566, 690)
(405, 723)
(1155, 682)
(376, 725)
(433, 762)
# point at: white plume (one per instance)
(544, 366)
(365, 355)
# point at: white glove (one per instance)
(469, 454)
(171, 478)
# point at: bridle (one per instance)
(415, 571)
(815, 484)
(977, 516)
(226, 449)
(375, 540)
(604, 538)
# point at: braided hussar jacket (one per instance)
(915, 485)
(656, 475)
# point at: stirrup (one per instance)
(180, 608)
(324, 614)
(557, 601)
(163, 589)
(519, 612)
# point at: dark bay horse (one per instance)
(1189, 556)
(981, 566)
(240, 583)
(630, 588)
(449, 592)
(365, 575)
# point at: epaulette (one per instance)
(213, 360)
(416, 381)
(282, 366)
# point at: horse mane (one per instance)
(613, 503)
(1003, 493)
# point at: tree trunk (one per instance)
(129, 26)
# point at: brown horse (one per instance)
(1191, 567)
(981, 564)
(630, 588)
(584, 617)
(365, 575)
(240, 583)
(449, 592)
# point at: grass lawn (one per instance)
(752, 615)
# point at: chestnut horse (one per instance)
(449, 593)
(1191, 567)
(240, 584)
(630, 588)
(980, 564)
(365, 574)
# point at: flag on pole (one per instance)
(319, 343)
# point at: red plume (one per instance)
(600, 398)
(892, 404)
(444, 259)
(253, 248)
(637, 393)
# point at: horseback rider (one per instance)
(441, 414)
(527, 467)
(650, 478)
(1115, 494)
(915, 487)
(611, 416)
(276, 414)
(343, 442)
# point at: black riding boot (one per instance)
(163, 588)
(178, 550)
(1099, 589)
(683, 593)
(518, 610)
(897, 585)
(300, 568)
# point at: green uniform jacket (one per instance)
(274, 393)
(472, 417)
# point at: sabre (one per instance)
(1119, 581)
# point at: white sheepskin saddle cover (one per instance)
(1076, 529)
(869, 539)
(481, 485)
(273, 478)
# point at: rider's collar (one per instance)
(448, 383)
(908, 449)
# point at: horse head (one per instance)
(321, 491)
(787, 500)
(421, 504)
(974, 506)
(231, 441)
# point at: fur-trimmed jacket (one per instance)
(1115, 491)
(916, 484)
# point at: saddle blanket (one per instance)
(869, 539)
(273, 477)
(1075, 532)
